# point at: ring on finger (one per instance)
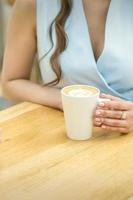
(123, 115)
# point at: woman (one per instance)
(78, 42)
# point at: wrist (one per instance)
(60, 106)
(59, 100)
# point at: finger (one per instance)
(108, 114)
(116, 129)
(114, 122)
(108, 96)
(115, 105)
(97, 124)
(99, 108)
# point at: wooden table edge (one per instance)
(17, 110)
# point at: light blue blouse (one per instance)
(113, 71)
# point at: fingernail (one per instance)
(103, 94)
(98, 112)
(98, 123)
(103, 127)
(98, 120)
(102, 104)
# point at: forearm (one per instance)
(25, 90)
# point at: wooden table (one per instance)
(38, 161)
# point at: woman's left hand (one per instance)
(114, 115)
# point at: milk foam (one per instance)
(80, 93)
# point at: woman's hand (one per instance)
(114, 115)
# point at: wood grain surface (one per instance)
(38, 161)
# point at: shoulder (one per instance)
(25, 4)
(25, 11)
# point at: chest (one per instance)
(113, 51)
(96, 16)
